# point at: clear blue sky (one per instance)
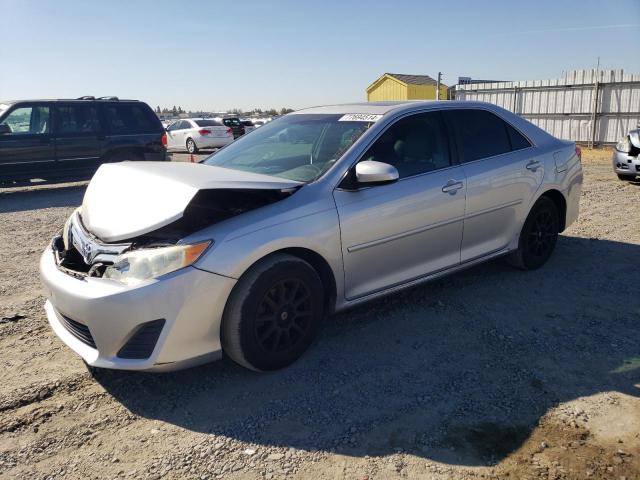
(246, 53)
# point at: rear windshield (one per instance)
(127, 118)
(299, 147)
(208, 123)
(231, 122)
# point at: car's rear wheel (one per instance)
(626, 178)
(538, 236)
(273, 314)
(191, 146)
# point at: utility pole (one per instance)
(594, 110)
(438, 86)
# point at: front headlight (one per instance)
(624, 145)
(66, 228)
(139, 265)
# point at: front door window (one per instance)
(28, 120)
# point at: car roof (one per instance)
(382, 108)
(79, 100)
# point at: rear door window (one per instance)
(128, 118)
(479, 133)
(77, 119)
(518, 141)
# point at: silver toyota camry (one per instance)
(167, 265)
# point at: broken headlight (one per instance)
(624, 145)
(138, 265)
(66, 228)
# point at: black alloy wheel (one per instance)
(273, 313)
(538, 236)
(284, 316)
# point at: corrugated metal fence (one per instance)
(584, 106)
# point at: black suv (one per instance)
(235, 125)
(54, 139)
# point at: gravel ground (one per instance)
(490, 373)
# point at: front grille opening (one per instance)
(69, 259)
(140, 346)
(78, 330)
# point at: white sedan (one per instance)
(193, 134)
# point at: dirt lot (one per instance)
(490, 373)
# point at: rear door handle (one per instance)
(452, 187)
(533, 165)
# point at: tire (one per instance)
(538, 236)
(626, 178)
(191, 146)
(273, 314)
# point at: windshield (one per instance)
(297, 147)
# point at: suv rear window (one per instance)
(231, 122)
(125, 118)
(208, 123)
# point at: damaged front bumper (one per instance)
(625, 164)
(165, 323)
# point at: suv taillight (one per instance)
(204, 131)
(229, 131)
(579, 152)
(164, 140)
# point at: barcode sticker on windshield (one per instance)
(360, 117)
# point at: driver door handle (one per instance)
(452, 187)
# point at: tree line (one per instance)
(272, 112)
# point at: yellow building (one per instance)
(396, 86)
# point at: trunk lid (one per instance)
(128, 199)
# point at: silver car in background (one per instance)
(315, 212)
(626, 156)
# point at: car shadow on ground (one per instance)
(24, 200)
(458, 371)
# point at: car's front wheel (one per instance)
(538, 236)
(273, 313)
(191, 146)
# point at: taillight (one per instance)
(204, 131)
(579, 152)
(229, 131)
(164, 139)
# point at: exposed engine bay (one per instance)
(79, 253)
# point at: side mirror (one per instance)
(376, 173)
(4, 129)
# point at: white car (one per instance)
(193, 134)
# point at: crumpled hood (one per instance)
(124, 200)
